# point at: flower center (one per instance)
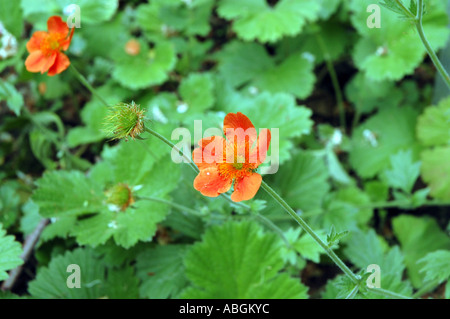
(52, 43)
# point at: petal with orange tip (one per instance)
(62, 62)
(210, 183)
(246, 187)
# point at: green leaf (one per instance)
(256, 20)
(367, 94)
(10, 252)
(161, 271)
(433, 126)
(31, 217)
(333, 238)
(11, 17)
(249, 63)
(382, 135)
(14, 100)
(418, 236)
(92, 12)
(51, 281)
(366, 248)
(9, 204)
(308, 248)
(404, 172)
(395, 49)
(197, 93)
(122, 284)
(436, 265)
(435, 171)
(238, 260)
(62, 193)
(149, 67)
(302, 181)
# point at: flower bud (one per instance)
(124, 120)
(120, 197)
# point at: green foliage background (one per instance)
(384, 177)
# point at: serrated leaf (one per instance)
(404, 171)
(382, 135)
(249, 63)
(62, 193)
(418, 236)
(240, 251)
(436, 265)
(122, 284)
(395, 49)
(433, 126)
(436, 171)
(149, 67)
(256, 20)
(197, 93)
(161, 271)
(51, 281)
(302, 181)
(10, 252)
(364, 249)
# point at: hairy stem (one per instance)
(437, 63)
(355, 279)
(85, 82)
(387, 293)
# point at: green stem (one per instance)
(437, 63)
(85, 82)
(172, 204)
(405, 9)
(387, 293)
(355, 279)
(334, 80)
(353, 293)
(269, 223)
(173, 146)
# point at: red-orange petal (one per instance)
(38, 62)
(246, 187)
(258, 154)
(55, 24)
(239, 123)
(210, 183)
(65, 44)
(62, 62)
(35, 41)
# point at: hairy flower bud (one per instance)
(120, 196)
(124, 120)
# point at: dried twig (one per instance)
(28, 247)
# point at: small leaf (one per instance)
(10, 252)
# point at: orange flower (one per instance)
(45, 48)
(222, 161)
